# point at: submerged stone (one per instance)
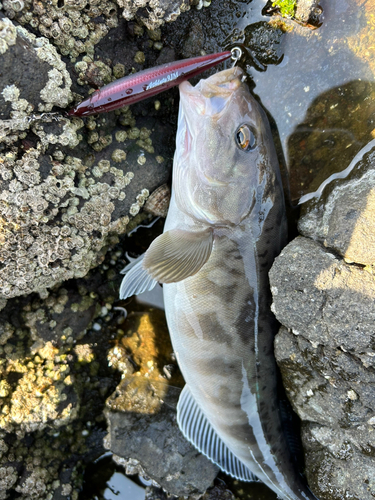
(141, 413)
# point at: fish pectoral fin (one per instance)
(175, 255)
(198, 430)
(136, 279)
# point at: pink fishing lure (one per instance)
(146, 83)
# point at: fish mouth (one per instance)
(211, 96)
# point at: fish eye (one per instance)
(245, 138)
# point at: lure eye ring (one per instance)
(245, 137)
(236, 55)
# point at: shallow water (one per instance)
(318, 90)
(321, 96)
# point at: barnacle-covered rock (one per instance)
(74, 27)
(38, 82)
(8, 34)
(59, 210)
(56, 217)
(53, 383)
(153, 13)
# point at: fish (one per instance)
(146, 83)
(225, 226)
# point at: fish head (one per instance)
(224, 149)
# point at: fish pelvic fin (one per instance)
(136, 279)
(175, 255)
(198, 430)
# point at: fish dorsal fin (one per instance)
(136, 279)
(197, 429)
(175, 255)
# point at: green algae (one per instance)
(287, 7)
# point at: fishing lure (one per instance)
(147, 83)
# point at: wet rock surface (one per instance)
(141, 413)
(344, 219)
(325, 349)
(54, 379)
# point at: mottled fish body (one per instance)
(225, 225)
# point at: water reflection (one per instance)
(119, 486)
(105, 480)
(321, 97)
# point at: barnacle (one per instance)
(47, 223)
(118, 155)
(141, 198)
(155, 13)
(8, 34)
(69, 24)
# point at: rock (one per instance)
(341, 461)
(58, 217)
(141, 413)
(326, 356)
(308, 11)
(54, 379)
(344, 219)
(62, 194)
(153, 13)
(43, 358)
(37, 83)
(320, 297)
(69, 27)
(217, 492)
(60, 208)
(154, 440)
